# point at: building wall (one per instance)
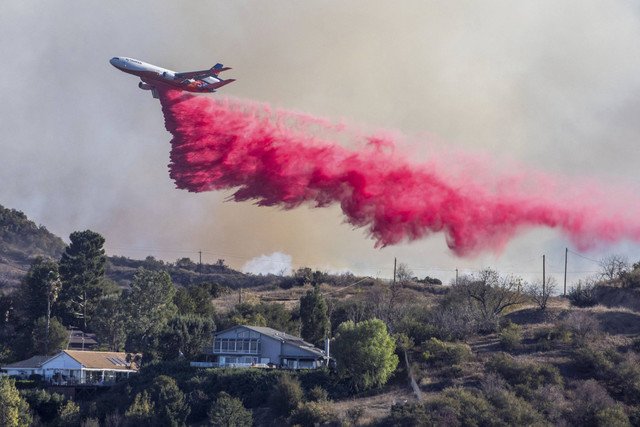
(63, 363)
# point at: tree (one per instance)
(171, 408)
(186, 336)
(314, 315)
(39, 289)
(403, 273)
(48, 342)
(365, 353)
(612, 267)
(14, 410)
(492, 293)
(540, 293)
(109, 322)
(148, 306)
(229, 412)
(286, 396)
(195, 299)
(81, 268)
(141, 411)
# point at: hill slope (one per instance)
(21, 240)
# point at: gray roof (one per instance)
(34, 362)
(282, 336)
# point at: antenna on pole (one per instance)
(544, 278)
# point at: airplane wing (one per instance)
(212, 72)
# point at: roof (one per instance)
(102, 360)
(79, 338)
(30, 363)
(282, 336)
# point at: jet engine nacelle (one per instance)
(145, 86)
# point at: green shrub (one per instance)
(46, 405)
(548, 338)
(462, 407)
(318, 394)
(286, 396)
(613, 416)
(583, 295)
(581, 325)
(446, 353)
(525, 377)
(228, 411)
(511, 337)
(592, 361)
(313, 413)
(514, 410)
(624, 380)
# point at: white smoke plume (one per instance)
(276, 263)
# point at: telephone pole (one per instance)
(456, 276)
(200, 256)
(566, 253)
(544, 277)
(395, 261)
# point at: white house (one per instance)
(245, 345)
(25, 368)
(70, 367)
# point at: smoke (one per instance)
(276, 263)
(283, 159)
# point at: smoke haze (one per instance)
(551, 85)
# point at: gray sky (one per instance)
(553, 85)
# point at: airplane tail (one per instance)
(217, 69)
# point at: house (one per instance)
(244, 345)
(79, 340)
(25, 368)
(72, 367)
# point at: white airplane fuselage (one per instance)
(195, 81)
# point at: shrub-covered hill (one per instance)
(21, 240)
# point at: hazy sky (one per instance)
(553, 85)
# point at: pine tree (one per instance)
(81, 268)
(314, 315)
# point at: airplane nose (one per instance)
(114, 61)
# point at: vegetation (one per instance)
(365, 353)
(491, 350)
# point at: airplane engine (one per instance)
(145, 86)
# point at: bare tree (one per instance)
(403, 273)
(493, 293)
(540, 293)
(612, 267)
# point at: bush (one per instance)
(46, 405)
(548, 338)
(594, 406)
(286, 396)
(229, 412)
(313, 413)
(590, 360)
(511, 337)
(581, 325)
(446, 353)
(318, 394)
(524, 377)
(583, 295)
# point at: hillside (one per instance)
(21, 240)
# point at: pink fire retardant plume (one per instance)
(277, 158)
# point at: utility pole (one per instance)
(566, 253)
(395, 261)
(200, 256)
(456, 276)
(544, 277)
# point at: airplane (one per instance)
(206, 81)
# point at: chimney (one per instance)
(327, 342)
